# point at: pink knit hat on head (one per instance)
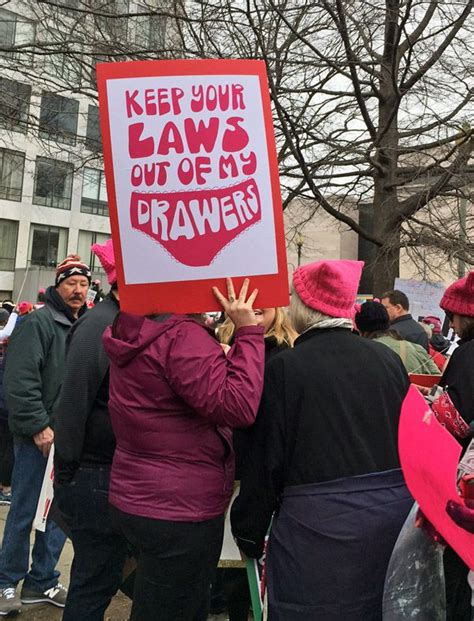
(106, 256)
(458, 298)
(329, 287)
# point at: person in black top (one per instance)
(397, 305)
(84, 448)
(323, 459)
(458, 379)
(279, 336)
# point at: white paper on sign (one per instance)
(46, 495)
(193, 173)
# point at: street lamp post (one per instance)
(299, 246)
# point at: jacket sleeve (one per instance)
(27, 351)
(459, 380)
(6, 331)
(424, 341)
(224, 389)
(86, 367)
(263, 467)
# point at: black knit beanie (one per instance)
(372, 317)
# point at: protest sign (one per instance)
(46, 495)
(424, 296)
(192, 182)
(429, 456)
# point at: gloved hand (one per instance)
(462, 513)
(422, 522)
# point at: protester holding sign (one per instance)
(174, 397)
(458, 378)
(323, 455)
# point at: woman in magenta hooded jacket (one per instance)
(174, 399)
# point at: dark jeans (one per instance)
(176, 564)
(99, 550)
(28, 473)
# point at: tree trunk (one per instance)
(386, 269)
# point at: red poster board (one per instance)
(192, 182)
(422, 379)
(429, 456)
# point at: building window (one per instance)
(93, 137)
(16, 31)
(94, 193)
(64, 67)
(12, 164)
(149, 30)
(113, 28)
(14, 105)
(84, 243)
(58, 118)
(53, 183)
(47, 245)
(8, 239)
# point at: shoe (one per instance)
(56, 596)
(5, 498)
(9, 602)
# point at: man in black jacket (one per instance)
(397, 305)
(84, 448)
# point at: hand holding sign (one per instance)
(238, 310)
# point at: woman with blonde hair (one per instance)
(279, 333)
(278, 336)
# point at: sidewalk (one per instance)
(119, 609)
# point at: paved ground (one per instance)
(119, 609)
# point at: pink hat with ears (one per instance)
(105, 254)
(329, 287)
(458, 298)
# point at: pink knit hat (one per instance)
(329, 287)
(105, 254)
(434, 323)
(24, 308)
(459, 297)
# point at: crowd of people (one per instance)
(153, 420)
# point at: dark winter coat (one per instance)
(174, 396)
(241, 436)
(83, 432)
(3, 354)
(35, 366)
(410, 330)
(328, 417)
(440, 343)
(459, 379)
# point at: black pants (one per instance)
(458, 592)
(176, 563)
(236, 589)
(6, 453)
(99, 550)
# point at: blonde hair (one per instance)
(281, 329)
(302, 316)
(428, 329)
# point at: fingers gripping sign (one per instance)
(238, 309)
